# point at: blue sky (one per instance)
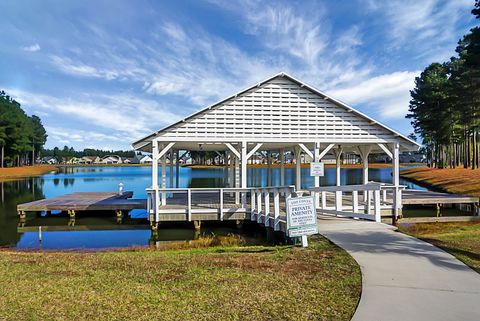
(105, 73)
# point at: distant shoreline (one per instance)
(15, 173)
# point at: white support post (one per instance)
(156, 199)
(225, 170)
(244, 173)
(324, 199)
(253, 206)
(282, 167)
(298, 169)
(304, 241)
(276, 209)
(364, 153)
(338, 155)
(231, 181)
(177, 169)
(171, 168)
(376, 206)
(316, 156)
(164, 178)
(397, 199)
(237, 180)
(269, 168)
(267, 208)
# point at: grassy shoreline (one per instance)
(461, 239)
(13, 173)
(230, 283)
(451, 180)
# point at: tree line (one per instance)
(21, 136)
(68, 152)
(445, 105)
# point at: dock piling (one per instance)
(197, 225)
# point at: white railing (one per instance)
(259, 198)
(376, 198)
(261, 210)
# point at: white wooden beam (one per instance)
(364, 151)
(233, 149)
(165, 150)
(306, 150)
(282, 167)
(254, 150)
(386, 150)
(325, 151)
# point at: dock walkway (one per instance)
(89, 201)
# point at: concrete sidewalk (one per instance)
(404, 278)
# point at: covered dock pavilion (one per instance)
(280, 114)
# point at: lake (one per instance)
(134, 178)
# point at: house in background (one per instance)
(90, 160)
(51, 160)
(71, 160)
(111, 159)
(142, 159)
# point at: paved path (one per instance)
(404, 278)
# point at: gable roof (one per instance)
(360, 122)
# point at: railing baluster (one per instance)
(253, 195)
(221, 204)
(267, 208)
(355, 201)
(338, 201)
(276, 209)
(368, 205)
(189, 204)
(376, 206)
(259, 206)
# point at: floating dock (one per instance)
(87, 201)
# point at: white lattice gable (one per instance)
(280, 109)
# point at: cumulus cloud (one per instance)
(114, 117)
(32, 48)
(388, 94)
(430, 27)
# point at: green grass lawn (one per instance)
(460, 239)
(229, 283)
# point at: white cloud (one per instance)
(116, 116)
(427, 26)
(32, 48)
(389, 94)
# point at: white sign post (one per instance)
(316, 169)
(301, 218)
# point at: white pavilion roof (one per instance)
(279, 112)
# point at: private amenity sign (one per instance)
(316, 169)
(301, 216)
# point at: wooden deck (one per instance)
(97, 201)
(411, 196)
(208, 205)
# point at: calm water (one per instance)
(136, 179)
